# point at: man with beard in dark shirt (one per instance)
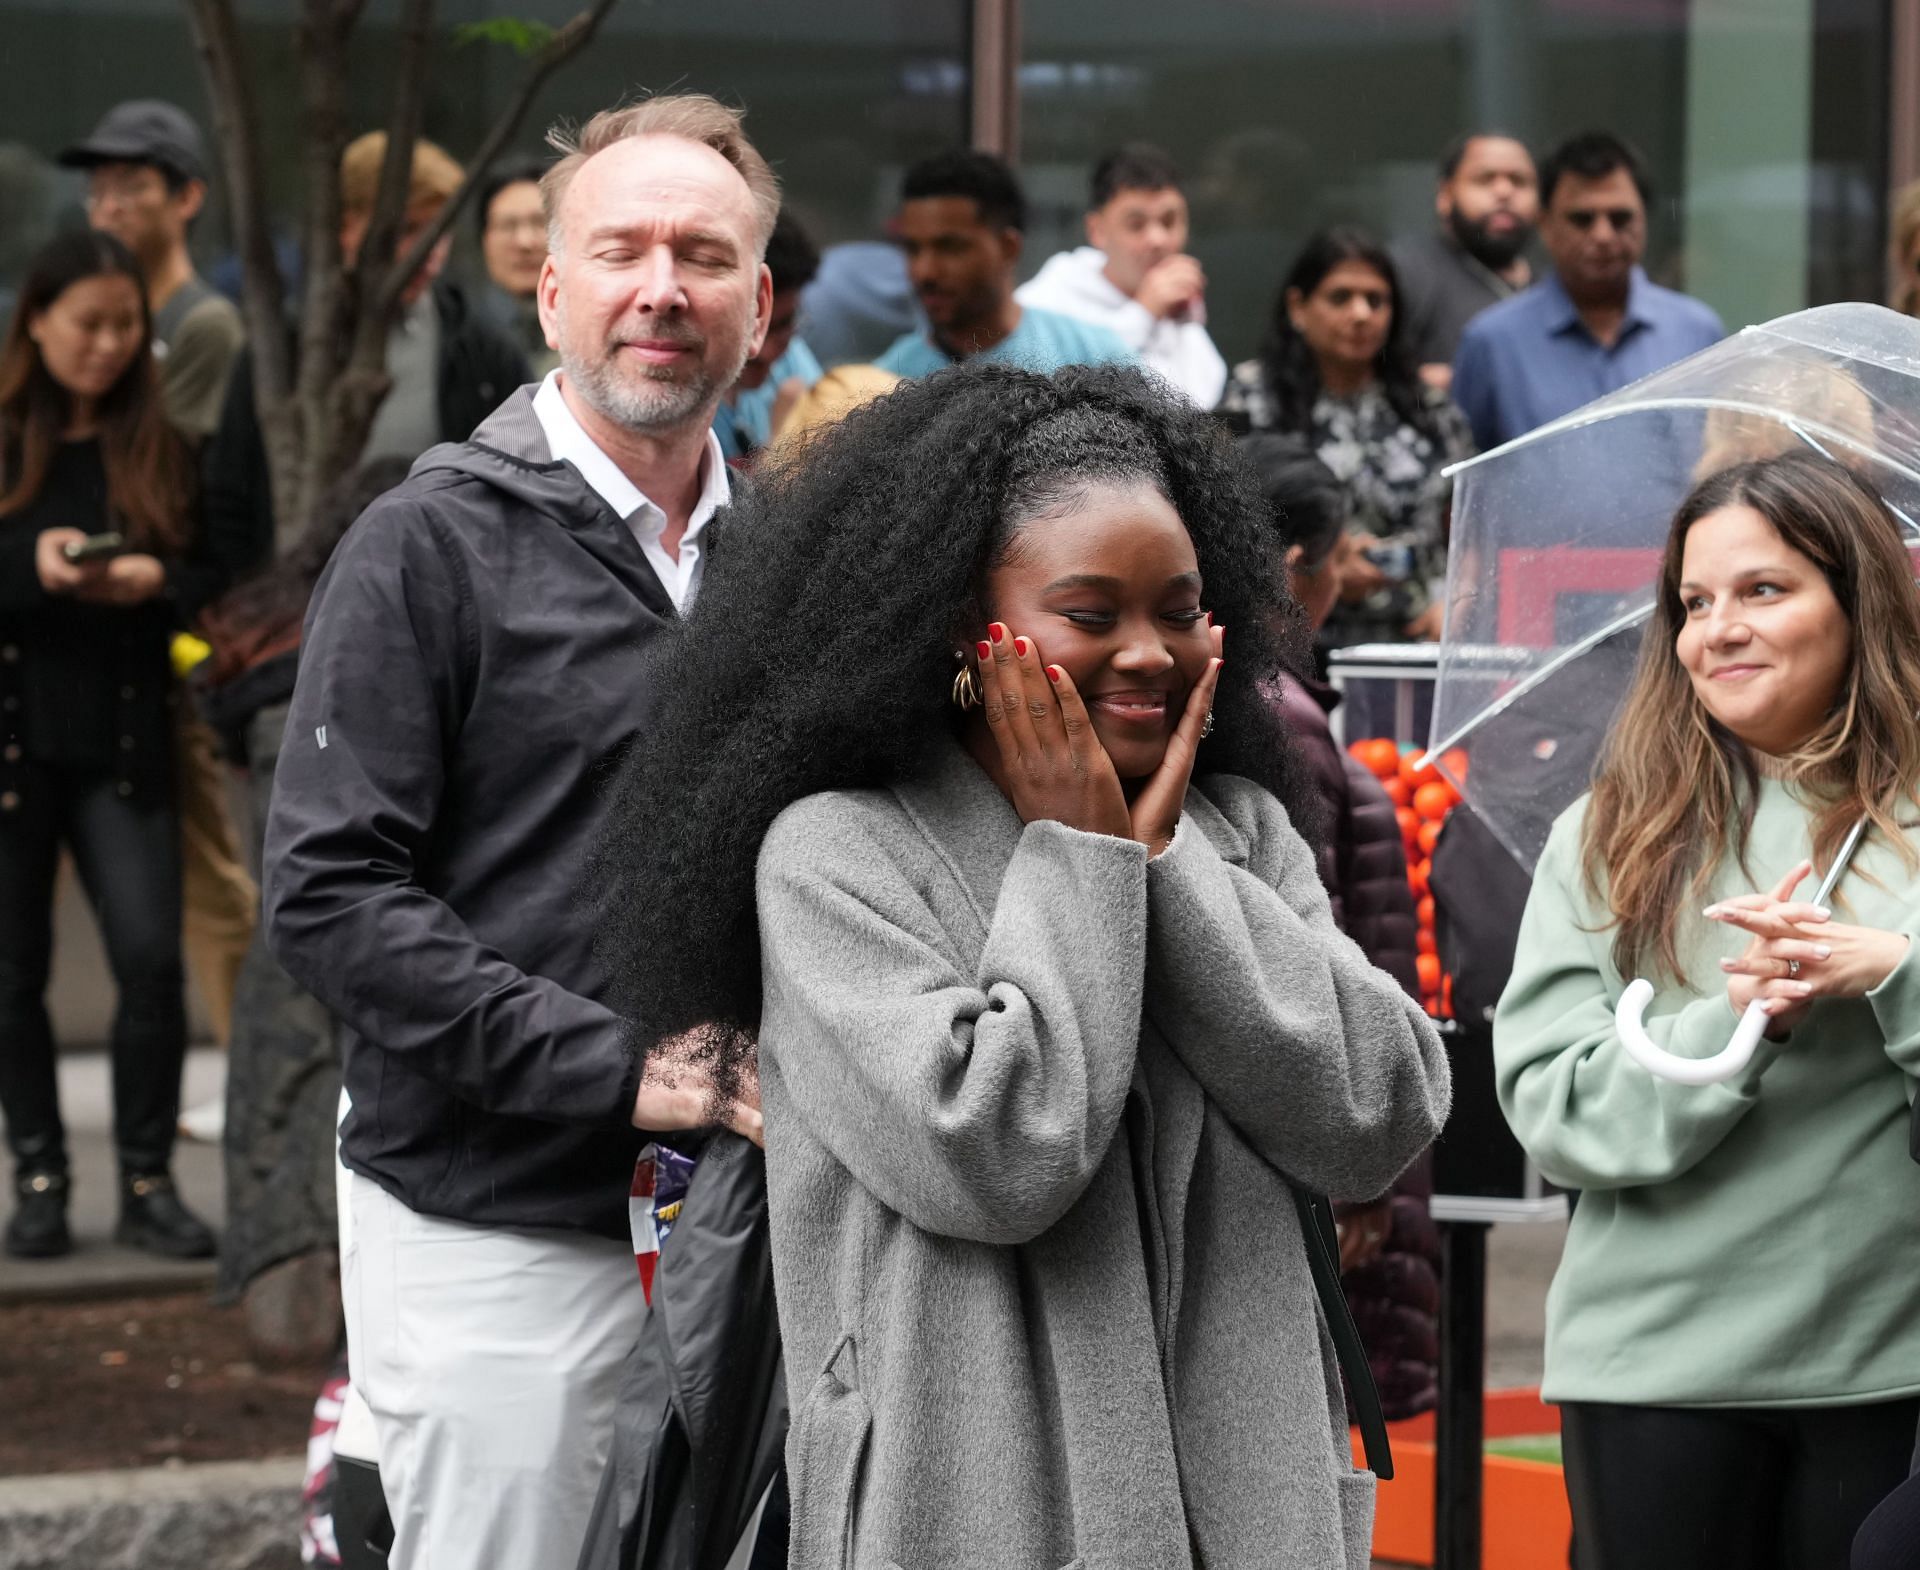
(1488, 202)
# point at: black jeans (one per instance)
(1776, 1488)
(128, 856)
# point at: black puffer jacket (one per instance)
(1395, 1297)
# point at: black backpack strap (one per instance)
(1323, 1259)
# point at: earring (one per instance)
(1206, 726)
(966, 692)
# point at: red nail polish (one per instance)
(986, 650)
(1053, 674)
(995, 631)
(1209, 618)
(1021, 646)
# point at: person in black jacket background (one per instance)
(86, 695)
(450, 363)
(1389, 1249)
(472, 672)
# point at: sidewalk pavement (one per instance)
(98, 1267)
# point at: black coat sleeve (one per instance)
(236, 487)
(387, 658)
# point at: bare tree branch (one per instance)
(566, 42)
(374, 283)
(321, 47)
(236, 124)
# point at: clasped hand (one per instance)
(1052, 761)
(1799, 953)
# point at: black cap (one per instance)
(145, 131)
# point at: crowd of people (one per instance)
(902, 773)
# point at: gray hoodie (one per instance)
(1032, 1106)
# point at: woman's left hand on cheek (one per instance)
(1156, 810)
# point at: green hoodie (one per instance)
(1751, 1243)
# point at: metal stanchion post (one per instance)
(1460, 1438)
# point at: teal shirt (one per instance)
(1043, 342)
(1753, 1243)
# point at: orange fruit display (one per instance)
(1399, 792)
(1415, 772)
(1409, 822)
(1423, 941)
(1424, 912)
(1378, 756)
(1454, 762)
(1434, 800)
(1429, 967)
(1429, 835)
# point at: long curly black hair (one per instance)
(1294, 373)
(821, 653)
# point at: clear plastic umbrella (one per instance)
(1557, 538)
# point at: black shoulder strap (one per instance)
(1323, 1258)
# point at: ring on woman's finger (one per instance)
(1793, 969)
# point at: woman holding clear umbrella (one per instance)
(1734, 1332)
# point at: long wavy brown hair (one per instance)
(1676, 791)
(150, 481)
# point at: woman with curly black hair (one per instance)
(1046, 1031)
(1335, 370)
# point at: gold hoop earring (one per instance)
(1206, 726)
(966, 692)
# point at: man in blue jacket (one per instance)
(471, 675)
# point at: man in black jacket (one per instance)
(472, 671)
(450, 363)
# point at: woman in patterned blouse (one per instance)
(1334, 371)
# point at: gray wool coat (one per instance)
(1030, 1098)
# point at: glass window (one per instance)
(1763, 125)
(839, 96)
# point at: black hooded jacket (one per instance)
(473, 666)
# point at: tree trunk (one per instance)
(318, 386)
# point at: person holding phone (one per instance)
(979, 830)
(1336, 370)
(99, 566)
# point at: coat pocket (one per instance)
(826, 1453)
(1356, 1518)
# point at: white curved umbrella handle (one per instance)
(1630, 1015)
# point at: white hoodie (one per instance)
(1075, 283)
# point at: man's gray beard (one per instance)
(657, 404)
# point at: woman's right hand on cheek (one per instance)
(1053, 763)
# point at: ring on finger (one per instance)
(1793, 969)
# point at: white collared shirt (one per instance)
(566, 439)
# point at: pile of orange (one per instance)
(1422, 797)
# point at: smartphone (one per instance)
(95, 547)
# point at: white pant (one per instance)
(490, 1359)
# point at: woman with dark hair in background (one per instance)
(1389, 1250)
(1051, 1012)
(1733, 1336)
(1335, 371)
(99, 566)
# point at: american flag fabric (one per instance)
(660, 1178)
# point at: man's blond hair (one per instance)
(693, 117)
(436, 176)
